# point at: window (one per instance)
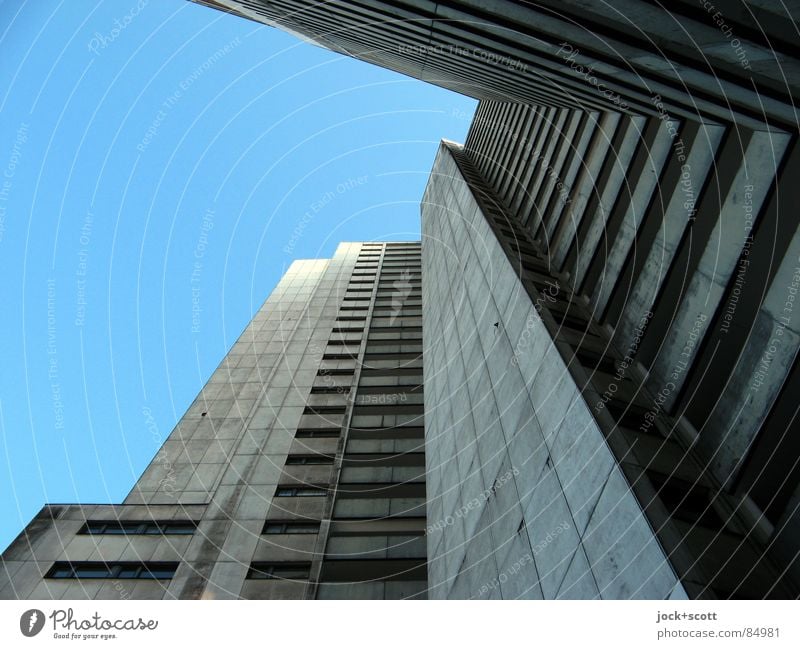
(393, 355)
(396, 432)
(178, 528)
(301, 491)
(389, 284)
(381, 490)
(261, 570)
(371, 526)
(115, 570)
(309, 433)
(391, 371)
(394, 388)
(138, 527)
(291, 527)
(330, 389)
(324, 410)
(295, 460)
(370, 460)
(336, 372)
(356, 570)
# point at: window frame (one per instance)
(112, 570)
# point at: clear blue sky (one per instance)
(186, 141)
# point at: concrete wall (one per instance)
(525, 498)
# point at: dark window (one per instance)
(393, 355)
(389, 389)
(138, 527)
(60, 571)
(114, 570)
(330, 389)
(129, 572)
(336, 372)
(300, 492)
(295, 460)
(324, 410)
(261, 570)
(372, 526)
(157, 572)
(395, 432)
(383, 459)
(291, 527)
(359, 570)
(397, 331)
(390, 371)
(178, 528)
(318, 433)
(381, 490)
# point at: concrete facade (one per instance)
(558, 417)
(677, 240)
(527, 499)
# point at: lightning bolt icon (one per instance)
(32, 620)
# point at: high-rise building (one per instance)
(732, 62)
(298, 472)
(609, 269)
(648, 155)
(574, 477)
